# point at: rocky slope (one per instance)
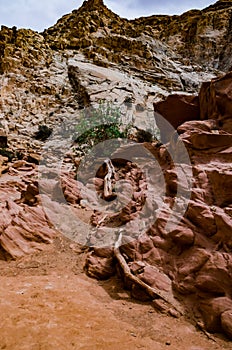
(162, 54)
(191, 254)
(202, 37)
(92, 55)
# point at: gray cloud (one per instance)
(40, 14)
(137, 8)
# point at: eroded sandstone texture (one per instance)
(24, 228)
(194, 259)
(92, 55)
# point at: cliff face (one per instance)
(92, 55)
(202, 37)
(195, 37)
(206, 35)
(198, 37)
(162, 53)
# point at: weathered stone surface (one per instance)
(24, 228)
(192, 261)
(130, 248)
(145, 244)
(173, 112)
(226, 321)
(215, 101)
(3, 164)
(183, 236)
(199, 36)
(99, 267)
(92, 55)
(153, 277)
(212, 311)
(202, 216)
(82, 52)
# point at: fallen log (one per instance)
(154, 293)
(108, 188)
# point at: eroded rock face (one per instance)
(176, 110)
(202, 37)
(196, 254)
(91, 55)
(199, 37)
(206, 267)
(47, 77)
(24, 228)
(215, 98)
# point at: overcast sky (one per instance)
(40, 14)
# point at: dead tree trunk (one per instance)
(108, 187)
(153, 292)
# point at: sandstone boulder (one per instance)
(215, 101)
(212, 311)
(173, 112)
(226, 321)
(24, 227)
(99, 267)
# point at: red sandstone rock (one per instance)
(221, 183)
(206, 141)
(104, 252)
(3, 164)
(155, 278)
(212, 310)
(224, 227)
(27, 232)
(216, 101)
(197, 252)
(226, 321)
(215, 276)
(176, 110)
(182, 236)
(130, 248)
(202, 216)
(153, 257)
(24, 228)
(29, 196)
(98, 267)
(152, 276)
(161, 243)
(192, 260)
(197, 126)
(71, 189)
(145, 244)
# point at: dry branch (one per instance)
(108, 188)
(153, 292)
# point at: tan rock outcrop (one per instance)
(92, 55)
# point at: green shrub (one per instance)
(99, 124)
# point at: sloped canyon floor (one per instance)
(48, 303)
(178, 66)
